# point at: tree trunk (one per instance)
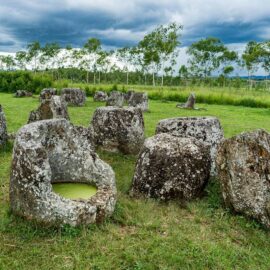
(154, 78)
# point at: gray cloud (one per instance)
(120, 23)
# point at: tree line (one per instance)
(155, 55)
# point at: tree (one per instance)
(92, 49)
(158, 46)
(34, 50)
(207, 55)
(264, 56)
(125, 55)
(21, 59)
(50, 54)
(251, 58)
(8, 62)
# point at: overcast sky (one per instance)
(121, 23)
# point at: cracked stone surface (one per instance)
(47, 93)
(73, 96)
(206, 129)
(55, 107)
(3, 128)
(138, 100)
(116, 99)
(53, 151)
(118, 129)
(243, 164)
(170, 167)
(100, 96)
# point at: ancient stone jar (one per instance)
(139, 100)
(55, 107)
(115, 99)
(118, 129)
(53, 151)
(47, 93)
(243, 165)
(170, 167)
(23, 93)
(100, 96)
(206, 129)
(73, 96)
(3, 128)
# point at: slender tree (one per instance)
(92, 49)
(33, 54)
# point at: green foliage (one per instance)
(22, 80)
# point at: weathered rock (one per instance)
(115, 99)
(118, 129)
(3, 128)
(53, 151)
(128, 94)
(139, 100)
(49, 109)
(243, 164)
(169, 167)
(47, 93)
(206, 129)
(73, 96)
(190, 104)
(23, 93)
(100, 96)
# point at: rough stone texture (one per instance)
(3, 128)
(190, 104)
(53, 151)
(169, 167)
(47, 93)
(23, 93)
(128, 94)
(206, 129)
(115, 99)
(119, 129)
(73, 96)
(139, 100)
(100, 96)
(243, 164)
(49, 109)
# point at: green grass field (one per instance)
(142, 234)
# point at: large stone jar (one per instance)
(53, 151)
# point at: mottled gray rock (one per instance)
(190, 104)
(47, 93)
(23, 93)
(100, 96)
(243, 164)
(3, 128)
(73, 96)
(115, 99)
(50, 108)
(128, 94)
(119, 129)
(169, 167)
(53, 151)
(139, 100)
(206, 129)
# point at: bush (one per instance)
(11, 81)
